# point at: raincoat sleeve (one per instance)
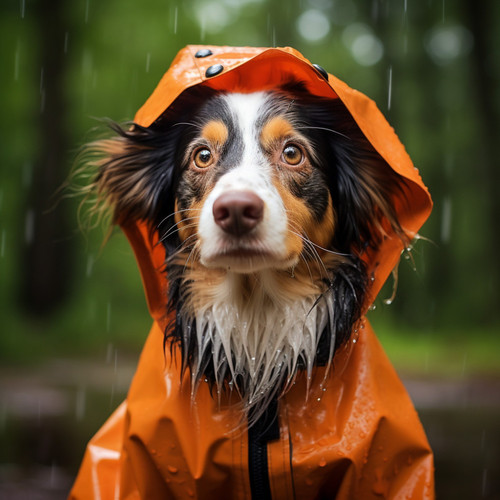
(99, 475)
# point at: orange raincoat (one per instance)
(357, 437)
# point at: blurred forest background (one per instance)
(432, 66)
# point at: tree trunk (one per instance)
(45, 273)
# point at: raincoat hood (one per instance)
(358, 436)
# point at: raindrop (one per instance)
(23, 8)
(464, 364)
(148, 60)
(444, 44)
(313, 25)
(87, 11)
(66, 40)
(389, 90)
(2, 244)
(90, 265)
(172, 469)
(109, 353)
(80, 403)
(484, 489)
(212, 17)
(3, 416)
(176, 13)
(322, 462)
(365, 47)
(27, 174)
(446, 221)
(41, 80)
(367, 50)
(16, 61)
(29, 227)
(108, 316)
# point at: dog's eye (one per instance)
(292, 155)
(203, 158)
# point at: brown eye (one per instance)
(292, 155)
(203, 158)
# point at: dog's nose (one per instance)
(238, 212)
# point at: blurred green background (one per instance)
(72, 311)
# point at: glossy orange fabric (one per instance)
(355, 436)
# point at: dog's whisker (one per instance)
(175, 229)
(173, 214)
(319, 246)
(181, 248)
(309, 249)
(304, 127)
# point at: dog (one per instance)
(265, 203)
(269, 206)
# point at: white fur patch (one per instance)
(254, 174)
(258, 344)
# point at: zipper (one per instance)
(263, 431)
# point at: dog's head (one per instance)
(266, 204)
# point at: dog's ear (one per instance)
(134, 171)
(364, 188)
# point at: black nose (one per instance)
(238, 212)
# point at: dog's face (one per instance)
(265, 203)
(252, 187)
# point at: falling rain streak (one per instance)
(17, 56)
(23, 8)
(90, 265)
(389, 90)
(446, 221)
(29, 227)
(42, 90)
(2, 244)
(80, 403)
(108, 317)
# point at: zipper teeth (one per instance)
(264, 430)
(258, 467)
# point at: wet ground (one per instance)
(47, 415)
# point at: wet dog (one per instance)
(265, 203)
